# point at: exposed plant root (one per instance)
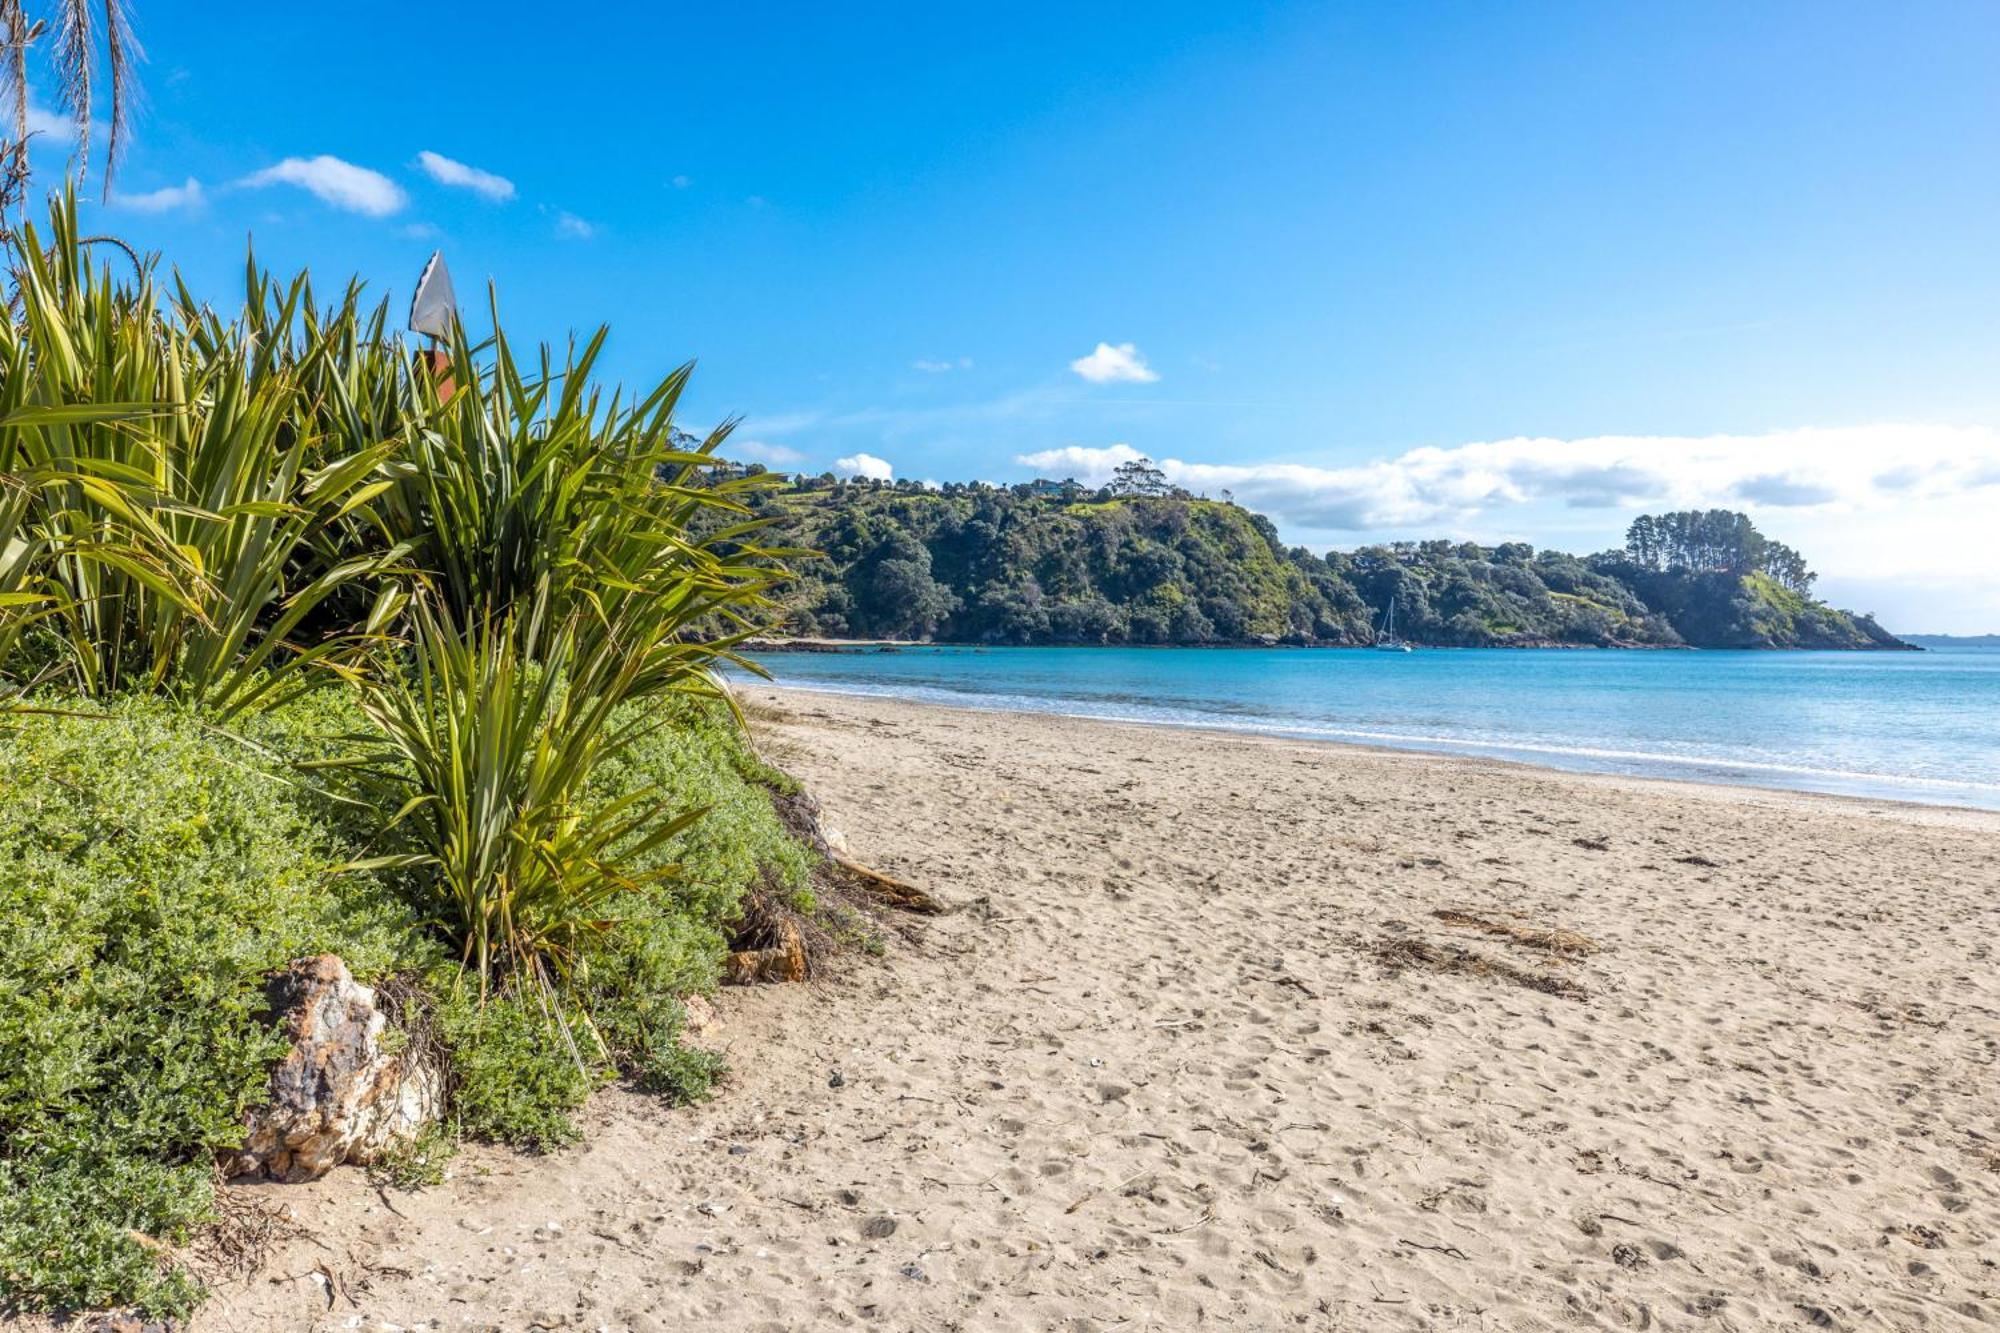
(412, 1010)
(769, 943)
(248, 1226)
(1403, 955)
(1563, 943)
(784, 961)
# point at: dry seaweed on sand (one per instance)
(249, 1225)
(1553, 939)
(1410, 954)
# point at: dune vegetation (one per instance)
(307, 646)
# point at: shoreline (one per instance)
(1495, 752)
(824, 645)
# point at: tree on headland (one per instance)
(1713, 541)
(1139, 477)
(892, 592)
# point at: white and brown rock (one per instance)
(338, 1095)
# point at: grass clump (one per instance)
(418, 1164)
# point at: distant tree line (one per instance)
(1141, 561)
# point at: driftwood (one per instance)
(772, 941)
(903, 897)
(801, 816)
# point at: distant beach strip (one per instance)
(1887, 727)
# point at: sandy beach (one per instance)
(1243, 1033)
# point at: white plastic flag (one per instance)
(434, 309)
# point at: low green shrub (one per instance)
(670, 942)
(153, 871)
(698, 757)
(68, 1222)
(512, 1080)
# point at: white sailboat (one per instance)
(1385, 633)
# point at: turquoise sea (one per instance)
(1908, 726)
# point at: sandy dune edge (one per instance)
(1199, 1052)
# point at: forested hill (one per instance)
(1142, 563)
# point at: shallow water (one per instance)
(1908, 726)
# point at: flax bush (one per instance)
(304, 650)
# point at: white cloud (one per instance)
(573, 227)
(1091, 465)
(1780, 490)
(167, 197)
(1818, 470)
(52, 126)
(1123, 363)
(866, 465)
(459, 176)
(342, 184)
(930, 367)
(680, 182)
(764, 452)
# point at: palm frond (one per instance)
(75, 62)
(121, 51)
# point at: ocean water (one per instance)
(1907, 726)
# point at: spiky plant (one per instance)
(533, 477)
(575, 559)
(485, 749)
(168, 487)
(200, 506)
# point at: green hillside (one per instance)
(1145, 564)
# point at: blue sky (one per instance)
(1486, 271)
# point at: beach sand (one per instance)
(1244, 1033)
